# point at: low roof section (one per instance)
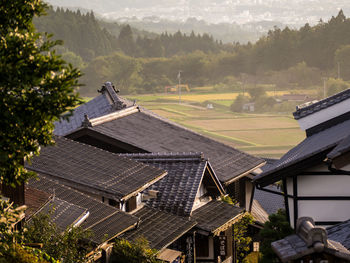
(309, 240)
(136, 129)
(310, 151)
(61, 212)
(93, 170)
(340, 233)
(106, 222)
(105, 103)
(160, 228)
(178, 189)
(216, 216)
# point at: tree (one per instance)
(242, 239)
(275, 229)
(133, 252)
(12, 249)
(61, 244)
(36, 87)
(126, 41)
(237, 105)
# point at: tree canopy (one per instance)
(36, 87)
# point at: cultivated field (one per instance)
(267, 135)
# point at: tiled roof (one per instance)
(259, 213)
(340, 233)
(215, 214)
(159, 227)
(293, 247)
(178, 189)
(35, 200)
(107, 102)
(98, 211)
(315, 146)
(270, 202)
(144, 130)
(322, 104)
(112, 226)
(63, 213)
(93, 169)
(341, 148)
(308, 240)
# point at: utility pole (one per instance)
(324, 86)
(179, 79)
(338, 70)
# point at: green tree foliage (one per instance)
(36, 87)
(135, 252)
(81, 33)
(66, 245)
(237, 105)
(242, 238)
(276, 228)
(12, 249)
(336, 85)
(126, 41)
(122, 70)
(342, 59)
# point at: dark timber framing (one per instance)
(297, 198)
(286, 199)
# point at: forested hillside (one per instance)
(141, 62)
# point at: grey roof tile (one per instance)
(81, 165)
(63, 213)
(342, 147)
(322, 104)
(319, 143)
(178, 189)
(215, 214)
(103, 104)
(98, 211)
(259, 213)
(160, 228)
(151, 133)
(270, 202)
(340, 233)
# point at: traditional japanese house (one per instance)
(101, 174)
(190, 190)
(114, 124)
(315, 173)
(72, 208)
(310, 244)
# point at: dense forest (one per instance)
(142, 62)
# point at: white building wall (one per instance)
(324, 115)
(321, 186)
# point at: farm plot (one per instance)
(248, 123)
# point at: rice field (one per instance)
(266, 135)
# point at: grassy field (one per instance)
(267, 135)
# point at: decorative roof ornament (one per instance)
(86, 122)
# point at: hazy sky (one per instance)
(291, 12)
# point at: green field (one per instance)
(266, 135)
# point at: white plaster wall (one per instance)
(138, 199)
(324, 185)
(325, 210)
(248, 193)
(324, 115)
